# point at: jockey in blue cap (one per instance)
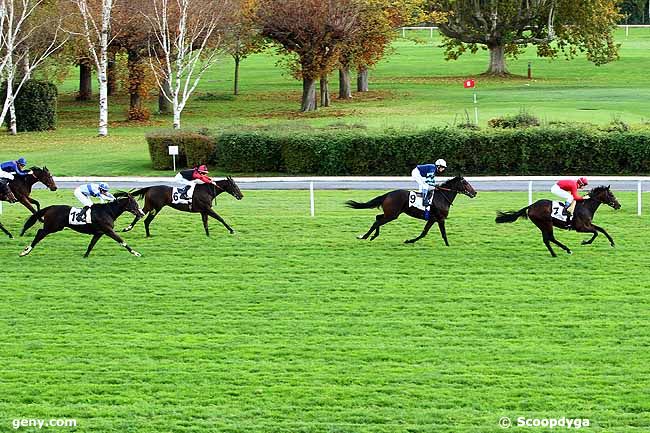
(100, 191)
(10, 168)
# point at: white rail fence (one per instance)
(531, 184)
(627, 28)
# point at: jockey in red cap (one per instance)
(568, 190)
(193, 176)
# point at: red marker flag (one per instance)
(468, 84)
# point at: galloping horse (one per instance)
(6, 195)
(396, 202)
(21, 186)
(103, 217)
(540, 214)
(157, 197)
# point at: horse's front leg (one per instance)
(443, 231)
(111, 234)
(214, 215)
(5, 231)
(92, 243)
(33, 201)
(133, 223)
(24, 200)
(426, 229)
(602, 230)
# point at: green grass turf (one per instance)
(412, 88)
(293, 325)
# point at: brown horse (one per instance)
(103, 216)
(540, 214)
(396, 202)
(21, 186)
(157, 197)
(6, 195)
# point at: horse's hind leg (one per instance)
(39, 237)
(5, 231)
(148, 219)
(560, 244)
(380, 222)
(374, 227)
(546, 238)
(426, 229)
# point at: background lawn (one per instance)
(293, 325)
(412, 88)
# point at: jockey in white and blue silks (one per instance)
(10, 168)
(425, 176)
(100, 191)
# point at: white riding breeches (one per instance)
(5, 175)
(180, 179)
(82, 197)
(566, 195)
(421, 181)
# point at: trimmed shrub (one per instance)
(36, 106)
(531, 151)
(522, 120)
(194, 149)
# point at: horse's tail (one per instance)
(32, 220)
(375, 202)
(512, 216)
(139, 193)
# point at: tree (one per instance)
(242, 38)
(504, 27)
(96, 24)
(30, 32)
(313, 31)
(186, 35)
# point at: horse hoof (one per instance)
(26, 251)
(569, 252)
(585, 243)
(613, 244)
(135, 253)
(127, 229)
(360, 237)
(232, 232)
(408, 241)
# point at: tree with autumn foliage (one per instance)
(505, 27)
(243, 38)
(314, 31)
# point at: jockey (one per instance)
(568, 190)
(100, 191)
(192, 177)
(9, 168)
(425, 176)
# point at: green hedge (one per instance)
(36, 105)
(194, 149)
(534, 151)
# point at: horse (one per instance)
(396, 202)
(540, 214)
(157, 197)
(103, 217)
(6, 195)
(21, 186)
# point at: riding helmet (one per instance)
(583, 180)
(203, 169)
(22, 161)
(104, 186)
(441, 163)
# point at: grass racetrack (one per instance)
(293, 325)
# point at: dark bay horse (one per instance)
(396, 202)
(21, 186)
(103, 217)
(540, 214)
(157, 197)
(6, 195)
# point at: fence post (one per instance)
(638, 208)
(311, 197)
(431, 33)
(530, 193)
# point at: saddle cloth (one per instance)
(415, 200)
(183, 194)
(78, 218)
(557, 211)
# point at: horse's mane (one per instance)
(452, 181)
(598, 189)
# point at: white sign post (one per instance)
(173, 151)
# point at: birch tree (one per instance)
(27, 38)
(185, 45)
(96, 32)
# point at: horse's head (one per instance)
(229, 185)
(5, 192)
(130, 204)
(604, 195)
(460, 185)
(43, 175)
